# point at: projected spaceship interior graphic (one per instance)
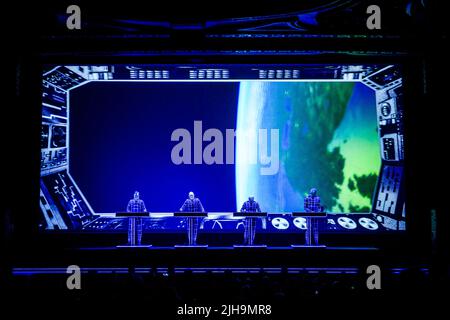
(107, 131)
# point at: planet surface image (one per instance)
(327, 139)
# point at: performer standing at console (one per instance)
(312, 204)
(136, 205)
(192, 204)
(250, 222)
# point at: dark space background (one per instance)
(121, 142)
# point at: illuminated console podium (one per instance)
(192, 228)
(132, 237)
(250, 228)
(312, 228)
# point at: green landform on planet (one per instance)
(328, 140)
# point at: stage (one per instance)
(284, 156)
